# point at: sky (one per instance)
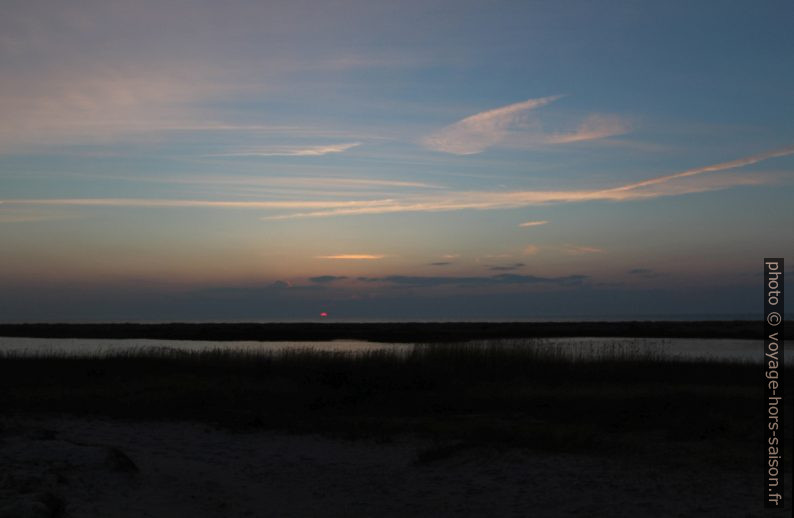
(414, 160)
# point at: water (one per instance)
(690, 348)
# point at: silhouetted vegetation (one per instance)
(624, 401)
(392, 332)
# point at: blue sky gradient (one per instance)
(428, 160)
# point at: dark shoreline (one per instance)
(391, 332)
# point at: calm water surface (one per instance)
(705, 349)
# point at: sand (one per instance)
(78, 467)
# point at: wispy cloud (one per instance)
(733, 164)
(668, 185)
(533, 223)
(441, 263)
(154, 101)
(510, 126)
(170, 203)
(326, 279)
(367, 182)
(27, 215)
(97, 104)
(593, 127)
(565, 249)
(316, 184)
(581, 250)
(480, 131)
(501, 279)
(685, 182)
(291, 150)
(507, 267)
(352, 257)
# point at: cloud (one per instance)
(292, 151)
(95, 104)
(501, 279)
(668, 185)
(170, 203)
(325, 279)
(27, 215)
(510, 126)
(441, 263)
(361, 182)
(593, 127)
(581, 250)
(506, 268)
(685, 182)
(292, 184)
(530, 250)
(478, 132)
(733, 164)
(277, 286)
(532, 223)
(352, 257)
(93, 71)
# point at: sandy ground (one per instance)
(100, 468)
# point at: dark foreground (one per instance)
(392, 332)
(189, 470)
(512, 394)
(641, 423)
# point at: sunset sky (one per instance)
(272, 160)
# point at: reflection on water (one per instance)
(582, 347)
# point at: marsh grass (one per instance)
(627, 399)
(406, 332)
